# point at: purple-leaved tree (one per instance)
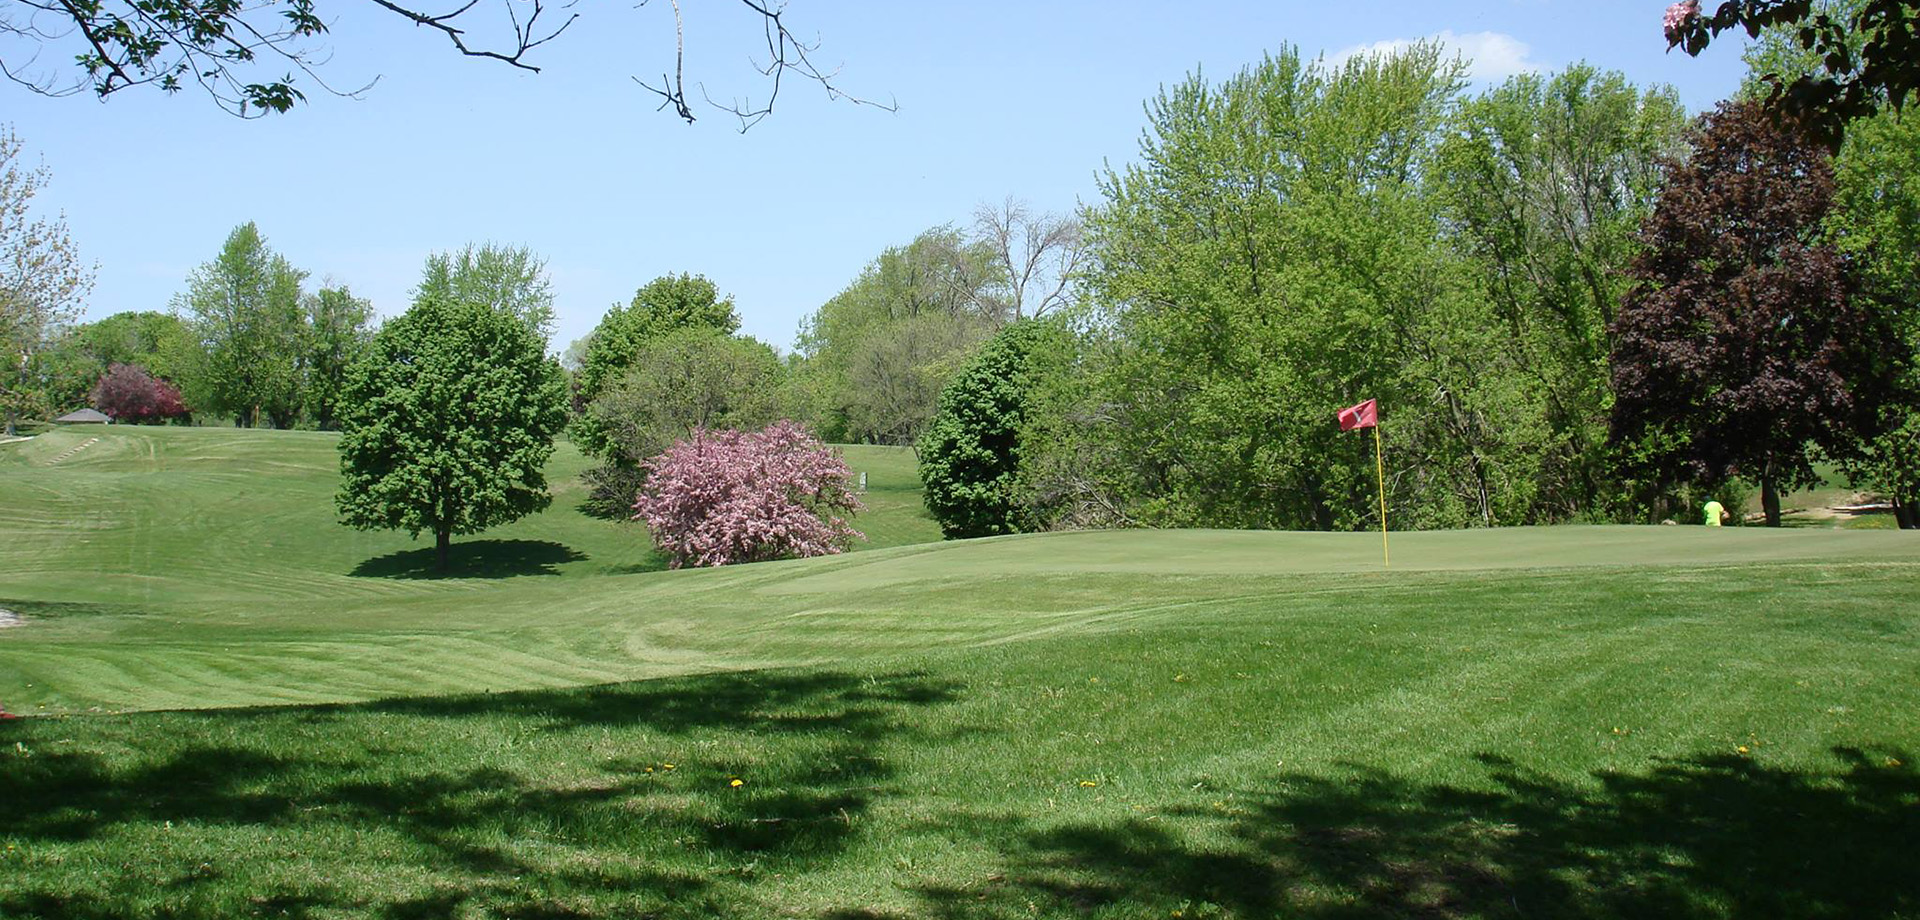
(129, 394)
(723, 496)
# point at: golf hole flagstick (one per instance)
(1367, 415)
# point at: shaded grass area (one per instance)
(474, 558)
(1730, 742)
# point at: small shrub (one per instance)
(720, 497)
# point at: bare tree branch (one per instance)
(1040, 256)
(785, 53)
(117, 44)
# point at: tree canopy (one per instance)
(245, 309)
(624, 340)
(510, 279)
(665, 304)
(448, 421)
(877, 354)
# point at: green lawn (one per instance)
(1564, 722)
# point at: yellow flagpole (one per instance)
(1380, 466)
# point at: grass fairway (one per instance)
(1567, 722)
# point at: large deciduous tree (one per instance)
(970, 453)
(338, 329)
(1272, 256)
(510, 279)
(42, 280)
(1545, 181)
(878, 353)
(245, 309)
(448, 421)
(1742, 343)
(686, 379)
(1876, 222)
(663, 305)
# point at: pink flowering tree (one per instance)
(722, 496)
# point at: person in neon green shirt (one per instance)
(1715, 513)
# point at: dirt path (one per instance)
(1833, 514)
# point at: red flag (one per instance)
(1365, 415)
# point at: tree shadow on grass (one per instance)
(1709, 836)
(474, 559)
(459, 807)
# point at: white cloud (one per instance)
(1491, 56)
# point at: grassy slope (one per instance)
(139, 556)
(1576, 722)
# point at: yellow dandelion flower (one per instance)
(1088, 783)
(666, 766)
(736, 783)
(1742, 749)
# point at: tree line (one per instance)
(1572, 301)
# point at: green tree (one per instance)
(1876, 222)
(665, 304)
(245, 308)
(686, 378)
(510, 279)
(970, 453)
(42, 281)
(339, 328)
(448, 421)
(877, 354)
(1272, 256)
(1545, 181)
(58, 377)
(156, 341)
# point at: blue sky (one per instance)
(995, 99)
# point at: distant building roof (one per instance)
(84, 417)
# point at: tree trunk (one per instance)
(1770, 501)
(442, 542)
(1905, 514)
